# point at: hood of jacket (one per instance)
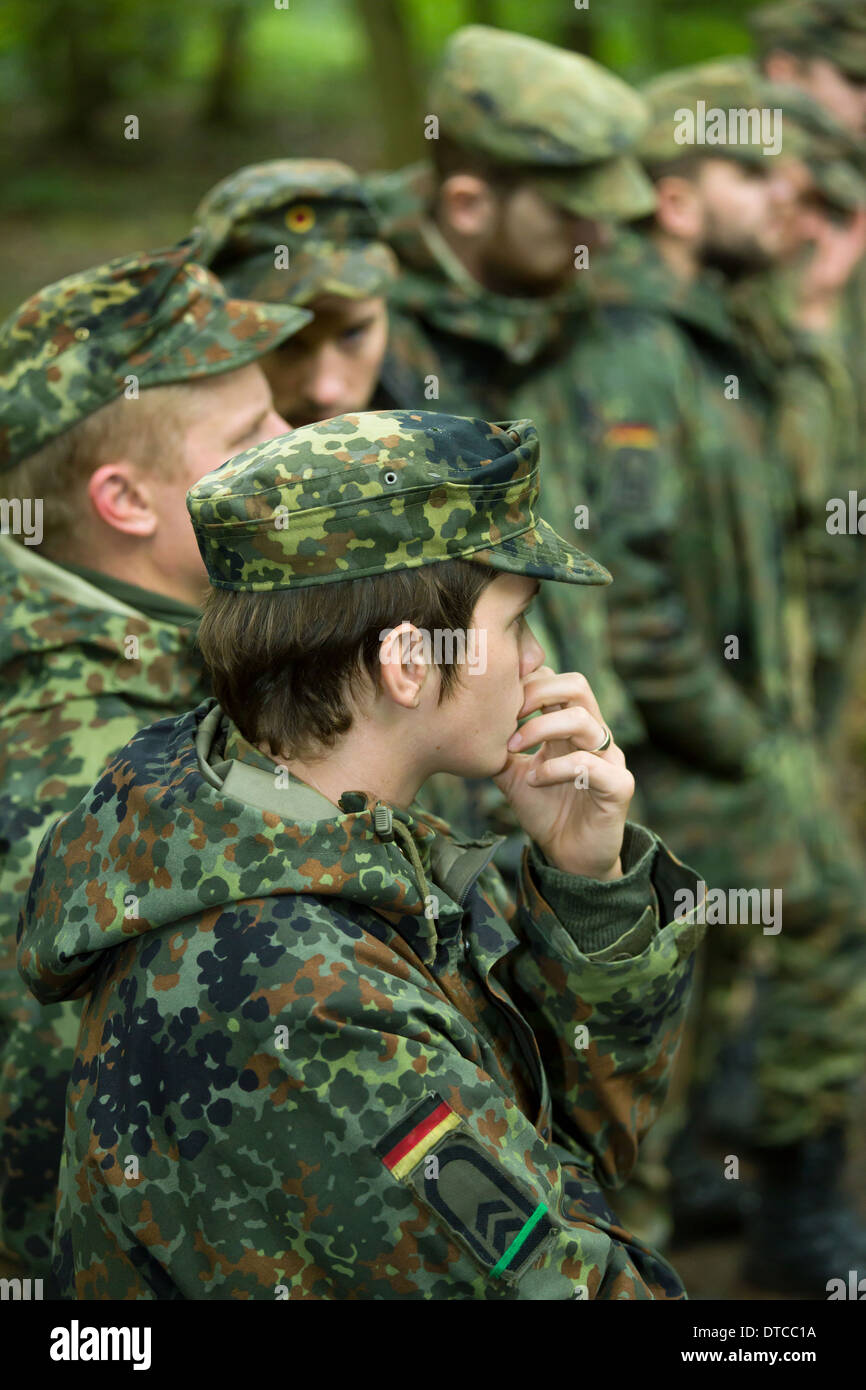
(435, 286)
(189, 819)
(61, 636)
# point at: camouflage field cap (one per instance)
(569, 123)
(826, 148)
(382, 490)
(831, 29)
(158, 317)
(292, 229)
(710, 109)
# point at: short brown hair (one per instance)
(285, 663)
(147, 431)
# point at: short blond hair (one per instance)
(148, 431)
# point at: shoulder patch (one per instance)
(498, 1219)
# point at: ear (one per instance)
(781, 66)
(468, 205)
(122, 498)
(679, 208)
(405, 660)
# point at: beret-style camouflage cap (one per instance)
(827, 149)
(831, 29)
(691, 113)
(568, 121)
(159, 317)
(382, 490)
(292, 229)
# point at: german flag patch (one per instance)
(496, 1218)
(403, 1148)
(631, 437)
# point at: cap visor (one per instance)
(245, 330)
(360, 272)
(617, 189)
(542, 554)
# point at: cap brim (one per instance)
(617, 189)
(542, 554)
(359, 272)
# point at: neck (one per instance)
(364, 762)
(143, 573)
(679, 256)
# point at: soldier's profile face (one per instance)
(840, 95)
(470, 729)
(332, 366)
(531, 246)
(226, 415)
(748, 213)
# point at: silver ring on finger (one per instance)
(605, 743)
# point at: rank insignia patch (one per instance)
(498, 1219)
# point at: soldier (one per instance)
(321, 1019)
(302, 231)
(819, 46)
(99, 594)
(531, 150)
(788, 310)
(693, 514)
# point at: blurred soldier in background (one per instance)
(530, 149)
(302, 231)
(694, 517)
(791, 312)
(98, 621)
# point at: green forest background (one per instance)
(219, 83)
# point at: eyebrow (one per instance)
(249, 426)
(527, 601)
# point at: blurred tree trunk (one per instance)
(642, 23)
(483, 12)
(222, 101)
(76, 81)
(394, 78)
(580, 29)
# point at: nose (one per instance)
(532, 654)
(325, 384)
(275, 424)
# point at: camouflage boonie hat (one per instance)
(317, 210)
(382, 490)
(72, 347)
(823, 145)
(831, 29)
(567, 121)
(681, 105)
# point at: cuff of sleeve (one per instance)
(599, 915)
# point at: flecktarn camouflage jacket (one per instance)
(80, 673)
(323, 1054)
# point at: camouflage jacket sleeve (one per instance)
(323, 1080)
(646, 402)
(604, 982)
